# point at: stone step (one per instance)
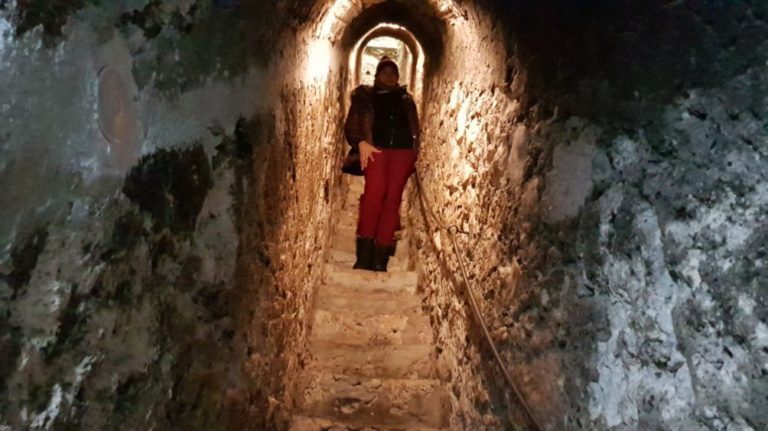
(360, 328)
(347, 258)
(336, 274)
(339, 299)
(405, 361)
(347, 218)
(357, 184)
(370, 402)
(304, 423)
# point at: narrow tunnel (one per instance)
(177, 235)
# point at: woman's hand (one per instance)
(366, 153)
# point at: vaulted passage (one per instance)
(176, 236)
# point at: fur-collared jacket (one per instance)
(382, 116)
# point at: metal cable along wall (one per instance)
(451, 231)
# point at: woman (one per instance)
(384, 126)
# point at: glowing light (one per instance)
(320, 48)
(334, 18)
(318, 60)
(447, 8)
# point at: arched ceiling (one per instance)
(425, 25)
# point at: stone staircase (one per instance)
(373, 365)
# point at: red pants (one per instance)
(385, 179)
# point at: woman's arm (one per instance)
(359, 123)
(358, 128)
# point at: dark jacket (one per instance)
(386, 118)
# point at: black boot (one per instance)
(381, 255)
(364, 253)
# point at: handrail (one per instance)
(451, 231)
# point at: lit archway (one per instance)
(378, 48)
(412, 69)
(344, 26)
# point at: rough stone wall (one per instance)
(464, 118)
(298, 192)
(614, 198)
(133, 269)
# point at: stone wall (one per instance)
(298, 191)
(467, 173)
(160, 177)
(613, 197)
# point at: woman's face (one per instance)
(388, 76)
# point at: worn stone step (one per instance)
(359, 328)
(304, 423)
(347, 258)
(356, 184)
(340, 299)
(374, 402)
(341, 275)
(405, 361)
(347, 217)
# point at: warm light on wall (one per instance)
(340, 13)
(447, 8)
(320, 48)
(318, 60)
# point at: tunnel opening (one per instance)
(423, 21)
(395, 42)
(442, 41)
(378, 48)
(314, 75)
(460, 58)
(449, 76)
(419, 26)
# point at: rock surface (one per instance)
(613, 199)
